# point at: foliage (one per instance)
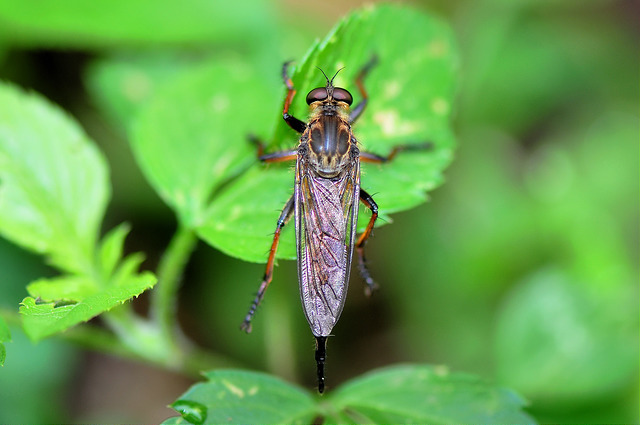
(522, 268)
(54, 193)
(193, 109)
(400, 394)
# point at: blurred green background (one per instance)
(522, 268)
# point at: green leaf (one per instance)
(64, 301)
(425, 394)
(400, 394)
(122, 83)
(69, 288)
(234, 396)
(555, 340)
(53, 181)
(41, 319)
(121, 22)
(191, 138)
(5, 335)
(111, 248)
(243, 218)
(411, 94)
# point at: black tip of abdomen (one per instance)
(321, 355)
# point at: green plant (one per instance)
(522, 268)
(189, 142)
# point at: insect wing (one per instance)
(326, 212)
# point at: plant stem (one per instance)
(170, 269)
(94, 338)
(98, 339)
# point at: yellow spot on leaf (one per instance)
(219, 103)
(136, 86)
(391, 89)
(441, 370)
(437, 48)
(440, 106)
(391, 124)
(233, 389)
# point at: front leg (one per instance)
(279, 156)
(295, 123)
(359, 108)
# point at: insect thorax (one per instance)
(330, 145)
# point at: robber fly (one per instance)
(325, 205)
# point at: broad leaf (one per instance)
(241, 222)
(241, 397)
(400, 394)
(425, 394)
(53, 181)
(192, 136)
(122, 22)
(550, 330)
(122, 83)
(411, 92)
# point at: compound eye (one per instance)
(317, 95)
(342, 95)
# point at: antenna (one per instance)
(330, 81)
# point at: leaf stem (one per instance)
(170, 269)
(95, 338)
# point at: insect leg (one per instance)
(378, 159)
(368, 201)
(359, 108)
(268, 274)
(321, 355)
(279, 156)
(295, 123)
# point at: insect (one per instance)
(325, 205)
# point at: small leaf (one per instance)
(191, 138)
(111, 249)
(410, 101)
(53, 181)
(44, 319)
(68, 288)
(191, 411)
(426, 394)
(5, 336)
(126, 269)
(234, 396)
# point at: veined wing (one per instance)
(326, 212)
